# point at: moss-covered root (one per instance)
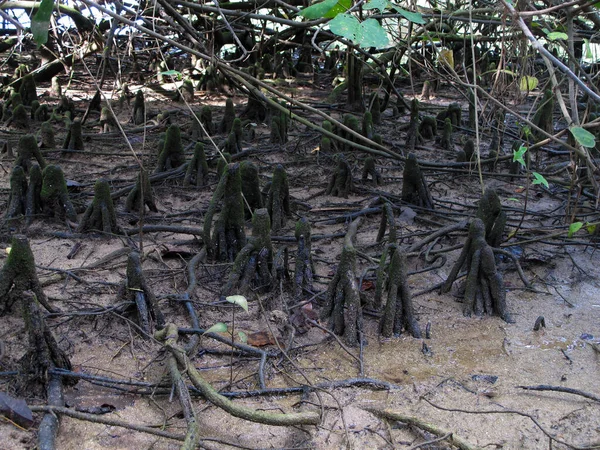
(169, 335)
(341, 183)
(139, 109)
(74, 138)
(251, 187)
(227, 237)
(398, 314)
(43, 352)
(369, 170)
(412, 135)
(493, 217)
(33, 202)
(304, 270)
(47, 139)
(171, 155)
(342, 300)
(20, 118)
(446, 141)
(141, 193)
(367, 125)
(253, 266)
(197, 170)
(355, 100)
(428, 127)
(233, 143)
(100, 214)
(543, 116)
(376, 109)
(206, 119)
(18, 275)
(137, 290)
(484, 288)
(228, 117)
(17, 196)
(414, 188)
(108, 122)
(387, 221)
(27, 150)
(28, 90)
(278, 199)
(54, 195)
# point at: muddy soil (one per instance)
(465, 378)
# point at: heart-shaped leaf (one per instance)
(528, 83)
(377, 4)
(413, 17)
(339, 8)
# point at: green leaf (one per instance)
(371, 34)
(239, 300)
(377, 4)
(340, 7)
(555, 35)
(528, 83)
(539, 179)
(512, 199)
(414, 17)
(41, 22)
(218, 327)
(318, 10)
(243, 336)
(574, 228)
(583, 136)
(345, 25)
(591, 229)
(518, 155)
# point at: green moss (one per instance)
(207, 120)
(41, 113)
(33, 202)
(100, 214)
(54, 194)
(28, 90)
(20, 118)
(278, 199)
(27, 150)
(493, 217)
(17, 196)
(187, 90)
(142, 192)
(197, 171)
(228, 117)
(428, 127)
(369, 170)
(251, 186)
(414, 188)
(341, 183)
(412, 135)
(172, 154)
(74, 140)
(376, 109)
(446, 141)
(223, 160)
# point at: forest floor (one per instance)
(467, 383)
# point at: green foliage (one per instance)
(574, 228)
(368, 33)
(518, 155)
(239, 300)
(583, 137)
(41, 22)
(539, 179)
(218, 327)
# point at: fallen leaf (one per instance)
(16, 410)
(260, 339)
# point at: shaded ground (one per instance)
(465, 354)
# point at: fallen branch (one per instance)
(388, 414)
(545, 387)
(169, 334)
